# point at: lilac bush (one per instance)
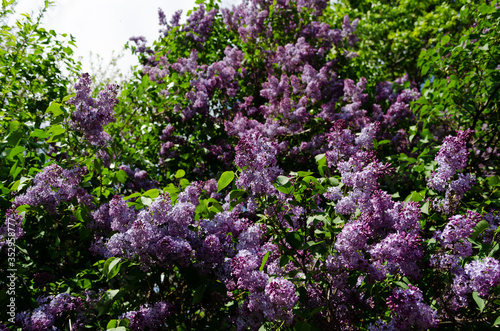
(253, 181)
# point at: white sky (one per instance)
(101, 26)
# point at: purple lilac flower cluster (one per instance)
(361, 173)
(271, 298)
(479, 276)
(13, 227)
(409, 310)
(149, 316)
(453, 240)
(51, 310)
(92, 114)
(199, 24)
(452, 158)
(53, 186)
(343, 144)
(138, 179)
(256, 156)
(156, 235)
(484, 275)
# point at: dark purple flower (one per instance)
(151, 317)
(282, 293)
(409, 310)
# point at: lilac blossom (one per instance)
(409, 309)
(158, 234)
(12, 229)
(348, 29)
(51, 309)
(199, 24)
(451, 158)
(149, 316)
(406, 216)
(484, 275)
(92, 115)
(350, 241)
(360, 172)
(400, 251)
(141, 42)
(282, 293)
(256, 156)
(54, 186)
(138, 179)
(453, 240)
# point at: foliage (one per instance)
(267, 167)
(392, 34)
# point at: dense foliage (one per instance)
(277, 165)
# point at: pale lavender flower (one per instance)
(367, 135)
(452, 157)
(406, 216)
(484, 275)
(44, 317)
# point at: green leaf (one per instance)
(153, 193)
(414, 196)
(479, 301)
(15, 151)
(425, 208)
(235, 194)
(171, 189)
(225, 179)
(112, 267)
(479, 228)
(284, 185)
(133, 195)
(112, 324)
(121, 176)
(497, 321)
(486, 9)
(105, 302)
(55, 131)
(40, 134)
(146, 201)
(184, 182)
(19, 184)
(55, 109)
(493, 181)
(14, 125)
(283, 180)
(180, 173)
(294, 239)
(198, 294)
(445, 40)
(304, 173)
(264, 260)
